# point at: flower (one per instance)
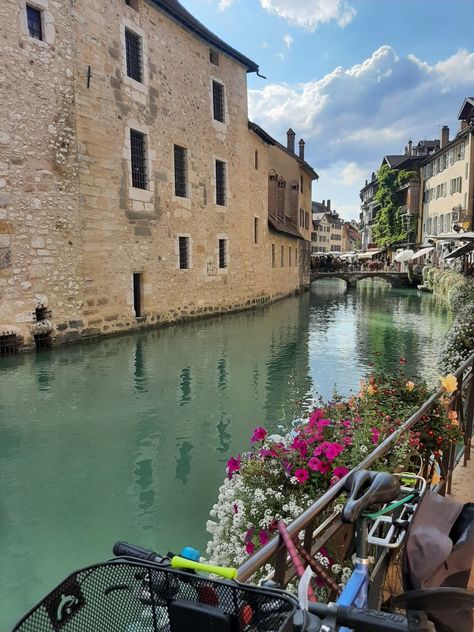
(371, 389)
(263, 537)
(233, 465)
(453, 417)
(301, 475)
(250, 547)
(410, 385)
(375, 434)
(317, 465)
(449, 383)
(403, 361)
(340, 471)
(259, 434)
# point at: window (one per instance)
(183, 253)
(214, 57)
(296, 256)
(218, 100)
(306, 220)
(280, 210)
(34, 22)
(222, 253)
(289, 256)
(132, 4)
(255, 230)
(138, 159)
(180, 172)
(301, 184)
(133, 48)
(220, 183)
(256, 159)
(301, 217)
(282, 256)
(137, 294)
(273, 255)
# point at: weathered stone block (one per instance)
(5, 258)
(76, 324)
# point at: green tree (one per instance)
(389, 226)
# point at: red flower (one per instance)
(340, 471)
(403, 361)
(259, 434)
(233, 465)
(302, 476)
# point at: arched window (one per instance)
(272, 192)
(281, 199)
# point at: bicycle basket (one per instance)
(125, 596)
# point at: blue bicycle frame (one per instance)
(356, 590)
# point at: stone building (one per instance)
(132, 190)
(447, 180)
(350, 236)
(327, 232)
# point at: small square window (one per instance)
(214, 57)
(133, 47)
(35, 28)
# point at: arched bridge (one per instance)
(396, 279)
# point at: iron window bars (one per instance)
(222, 253)
(138, 158)
(218, 100)
(34, 22)
(184, 253)
(133, 46)
(180, 172)
(220, 183)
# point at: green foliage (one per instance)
(389, 227)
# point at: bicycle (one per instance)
(142, 591)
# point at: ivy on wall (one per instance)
(389, 227)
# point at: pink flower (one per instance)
(302, 476)
(263, 537)
(340, 471)
(347, 440)
(321, 449)
(250, 547)
(319, 466)
(233, 465)
(333, 451)
(315, 416)
(347, 423)
(375, 435)
(235, 507)
(249, 534)
(265, 452)
(259, 434)
(322, 423)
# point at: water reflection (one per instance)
(128, 438)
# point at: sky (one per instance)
(356, 79)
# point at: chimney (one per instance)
(301, 149)
(290, 144)
(410, 148)
(444, 136)
(324, 202)
(406, 150)
(328, 205)
(464, 125)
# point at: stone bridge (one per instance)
(396, 279)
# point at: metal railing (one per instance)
(316, 536)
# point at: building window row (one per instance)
(291, 261)
(184, 253)
(441, 190)
(444, 161)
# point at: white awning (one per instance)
(368, 255)
(422, 252)
(459, 252)
(404, 255)
(454, 236)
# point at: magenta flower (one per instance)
(302, 476)
(321, 449)
(263, 537)
(340, 471)
(315, 416)
(265, 452)
(322, 423)
(235, 507)
(375, 435)
(250, 547)
(333, 450)
(319, 466)
(249, 534)
(313, 464)
(259, 434)
(347, 440)
(347, 423)
(233, 465)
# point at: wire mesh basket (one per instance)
(125, 596)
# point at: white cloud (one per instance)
(225, 4)
(352, 117)
(309, 14)
(288, 41)
(265, 45)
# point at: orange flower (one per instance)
(449, 383)
(410, 385)
(453, 416)
(371, 389)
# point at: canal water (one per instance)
(128, 438)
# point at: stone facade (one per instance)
(75, 235)
(328, 233)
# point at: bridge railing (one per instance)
(321, 522)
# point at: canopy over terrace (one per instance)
(369, 254)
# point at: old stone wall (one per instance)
(73, 229)
(40, 237)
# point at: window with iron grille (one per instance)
(221, 197)
(255, 230)
(222, 253)
(183, 253)
(180, 172)
(133, 47)
(138, 159)
(289, 256)
(218, 100)
(35, 28)
(273, 255)
(256, 159)
(282, 256)
(214, 57)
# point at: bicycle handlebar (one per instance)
(124, 549)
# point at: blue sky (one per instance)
(355, 78)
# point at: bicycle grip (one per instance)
(124, 549)
(223, 571)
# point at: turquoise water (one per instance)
(128, 438)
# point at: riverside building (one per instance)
(133, 189)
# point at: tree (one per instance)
(389, 226)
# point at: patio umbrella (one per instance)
(404, 255)
(423, 251)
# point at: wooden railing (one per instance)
(319, 524)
